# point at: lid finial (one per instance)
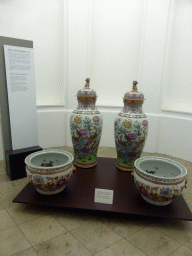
(87, 82)
(134, 88)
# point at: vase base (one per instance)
(84, 165)
(125, 168)
(43, 192)
(154, 202)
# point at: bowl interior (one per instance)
(49, 159)
(160, 168)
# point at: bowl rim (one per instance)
(45, 151)
(183, 170)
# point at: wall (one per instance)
(113, 43)
(43, 23)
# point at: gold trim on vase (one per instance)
(86, 98)
(125, 168)
(133, 101)
(84, 165)
(86, 112)
(132, 116)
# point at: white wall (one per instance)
(113, 43)
(178, 92)
(40, 21)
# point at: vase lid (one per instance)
(134, 94)
(86, 93)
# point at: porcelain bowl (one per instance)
(49, 170)
(159, 179)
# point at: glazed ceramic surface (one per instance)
(86, 127)
(49, 170)
(131, 129)
(159, 179)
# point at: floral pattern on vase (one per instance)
(130, 131)
(86, 125)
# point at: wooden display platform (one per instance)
(80, 191)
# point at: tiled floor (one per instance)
(27, 230)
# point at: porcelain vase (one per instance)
(86, 124)
(130, 130)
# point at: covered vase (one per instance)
(86, 125)
(131, 128)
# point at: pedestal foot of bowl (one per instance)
(125, 168)
(154, 202)
(40, 191)
(84, 165)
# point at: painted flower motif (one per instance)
(116, 123)
(74, 126)
(38, 179)
(96, 119)
(85, 150)
(133, 154)
(78, 120)
(143, 191)
(83, 132)
(131, 136)
(61, 182)
(145, 122)
(122, 131)
(166, 192)
(127, 124)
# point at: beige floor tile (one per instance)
(189, 245)
(3, 176)
(122, 247)
(187, 194)
(73, 220)
(9, 186)
(23, 182)
(22, 213)
(95, 236)
(2, 168)
(107, 152)
(7, 198)
(69, 149)
(1, 206)
(5, 220)
(62, 245)
(124, 227)
(153, 242)
(181, 231)
(41, 229)
(182, 251)
(2, 163)
(143, 154)
(28, 252)
(12, 241)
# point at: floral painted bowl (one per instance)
(49, 170)
(159, 179)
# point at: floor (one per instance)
(30, 231)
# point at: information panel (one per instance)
(20, 75)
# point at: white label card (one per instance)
(103, 196)
(20, 74)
